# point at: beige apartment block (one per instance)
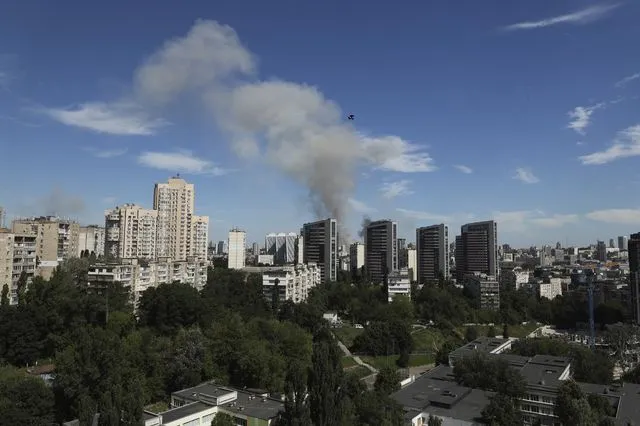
(91, 239)
(56, 240)
(180, 233)
(130, 232)
(6, 257)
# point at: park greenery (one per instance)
(109, 360)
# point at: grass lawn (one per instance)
(157, 407)
(359, 371)
(424, 339)
(390, 361)
(347, 334)
(518, 330)
(348, 361)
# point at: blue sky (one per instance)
(522, 111)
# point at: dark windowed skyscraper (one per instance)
(432, 253)
(381, 249)
(477, 249)
(634, 274)
(320, 246)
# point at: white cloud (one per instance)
(360, 207)
(626, 80)
(394, 154)
(464, 169)
(617, 216)
(584, 16)
(180, 161)
(626, 144)
(107, 153)
(114, 119)
(581, 117)
(395, 189)
(525, 175)
(291, 125)
(556, 220)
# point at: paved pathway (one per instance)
(357, 359)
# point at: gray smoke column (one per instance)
(293, 126)
(366, 221)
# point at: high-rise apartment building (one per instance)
(91, 240)
(634, 275)
(601, 251)
(477, 250)
(320, 246)
(237, 249)
(356, 257)
(2, 214)
(381, 249)
(622, 242)
(282, 247)
(412, 263)
(6, 258)
(180, 234)
(432, 253)
(56, 240)
(222, 248)
(130, 232)
(25, 261)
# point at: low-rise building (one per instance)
(200, 404)
(514, 278)
(551, 289)
(292, 282)
(485, 289)
(399, 283)
(139, 275)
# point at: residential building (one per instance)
(25, 259)
(130, 232)
(293, 282)
(320, 246)
(138, 275)
(623, 242)
(91, 239)
(436, 393)
(222, 248)
(255, 249)
(356, 257)
(549, 290)
(299, 250)
(514, 278)
(264, 259)
(200, 404)
(180, 233)
(477, 249)
(412, 263)
(485, 289)
(432, 253)
(6, 258)
(56, 240)
(282, 246)
(601, 251)
(199, 237)
(381, 249)
(2, 217)
(634, 275)
(237, 249)
(398, 283)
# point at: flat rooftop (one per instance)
(184, 411)
(436, 392)
(250, 404)
(481, 345)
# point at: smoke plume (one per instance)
(293, 126)
(366, 221)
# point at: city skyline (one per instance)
(477, 131)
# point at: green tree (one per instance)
(387, 381)
(491, 331)
(488, 373)
(502, 411)
(169, 307)
(5, 295)
(505, 331)
(222, 419)
(434, 421)
(471, 334)
(21, 287)
(324, 380)
(24, 400)
(296, 409)
(572, 406)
